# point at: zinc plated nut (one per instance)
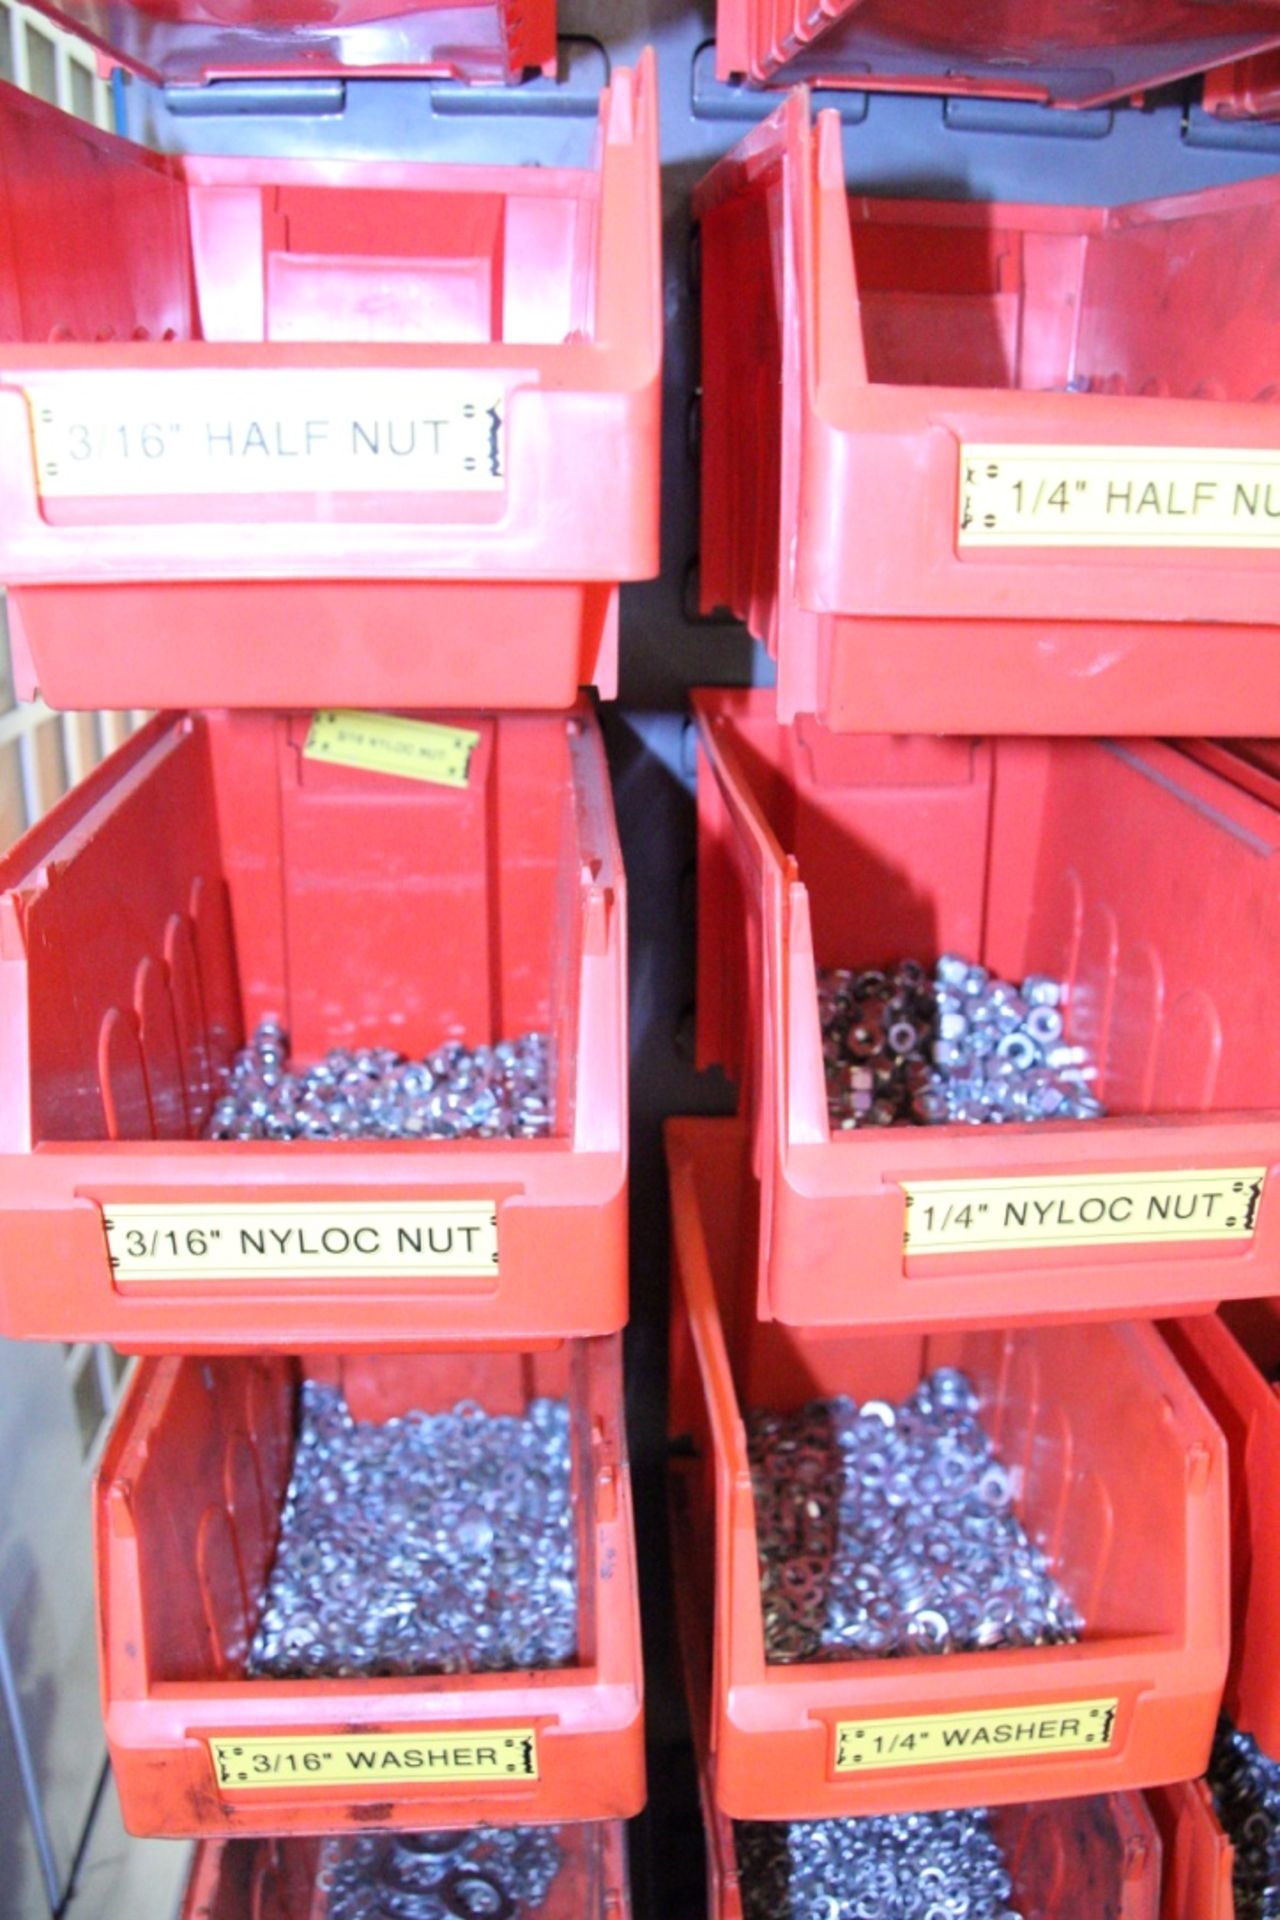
(966, 1048)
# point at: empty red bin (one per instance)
(1198, 1857)
(1142, 1553)
(278, 1879)
(991, 468)
(211, 873)
(188, 1503)
(1146, 882)
(188, 42)
(1234, 1360)
(1073, 55)
(341, 433)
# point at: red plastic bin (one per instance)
(1067, 1857)
(1148, 883)
(902, 399)
(189, 42)
(276, 1879)
(1071, 56)
(187, 1508)
(1198, 1857)
(210, 873)
(276, 433)
(1142, 1552)
(1233, 1361)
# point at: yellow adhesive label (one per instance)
(388, 743)
(227, 430)
(382, 1761)
(1019, 496)
(401, 1240)
(1081, 1210)
(950, 1739)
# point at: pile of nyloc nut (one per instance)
(482, 1873)
(501, 1092)
(426, 1543)
(903, 1047)
(887, 1530)
(912, 1866)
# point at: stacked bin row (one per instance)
(296, 443)
(983, 480)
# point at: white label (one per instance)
(401, 1240)
(1019, 496)
(224, 431)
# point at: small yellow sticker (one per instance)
(1081, 1210)
(1051, 496)
(951, 1739)
(389, 743)
(380, 1760)
(227, 431)
(407, 1239)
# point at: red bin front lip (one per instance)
(589, 1718)
(549, 1197)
